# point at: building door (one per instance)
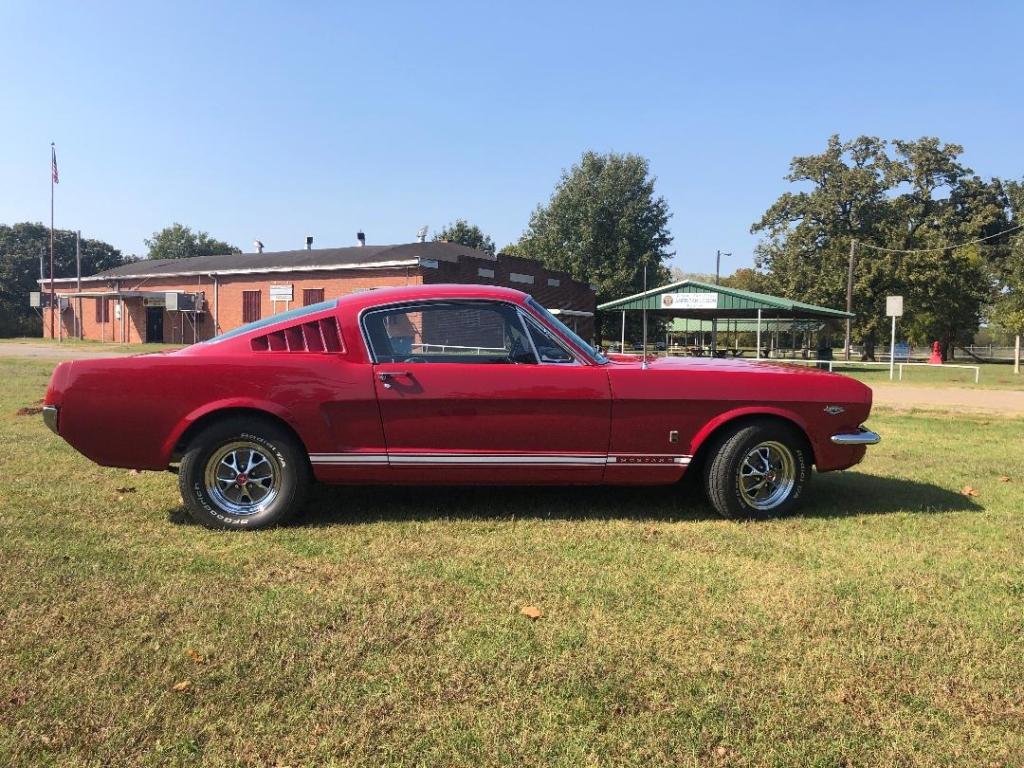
(463, 398)
(155, 324)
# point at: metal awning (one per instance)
(697, 300)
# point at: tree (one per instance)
(1007, 310)
(901, 196)
(462, 232)
(180, 242)
(21, 245)
(603, 225)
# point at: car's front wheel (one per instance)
(758, 470)
(243, 473)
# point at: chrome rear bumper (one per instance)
(861, 437)
(50, 417)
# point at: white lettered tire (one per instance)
(758, 470)
(243, 473)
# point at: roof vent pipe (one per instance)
(259, 246)
(309, 242)
(361, 238)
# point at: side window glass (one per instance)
(550, 351)
(456, 332)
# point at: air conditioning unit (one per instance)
(180, 302)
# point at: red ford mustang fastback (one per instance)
(455, 384)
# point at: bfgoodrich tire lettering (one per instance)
(758, 470)
(243, 473)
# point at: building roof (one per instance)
(730, 302)
(354, 257)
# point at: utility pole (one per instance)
(78, 289)
(714, 320)
(849, 299)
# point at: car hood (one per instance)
(726, 365)
(739, 379)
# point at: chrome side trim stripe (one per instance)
(542, 460)
(348, 458)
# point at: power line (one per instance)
(944, 248)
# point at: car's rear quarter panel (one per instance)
(131, 412)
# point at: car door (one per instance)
(464, 398)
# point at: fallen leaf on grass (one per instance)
(126, 489)
(1004, 478)
(29, 411)
(191, 653)
(181, 687)
(968, 490)
(531, 612)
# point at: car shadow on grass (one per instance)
(832, 495)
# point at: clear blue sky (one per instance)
(274, 120)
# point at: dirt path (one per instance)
(953, 399)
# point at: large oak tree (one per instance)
(900, 196)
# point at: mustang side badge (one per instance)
(834, 410)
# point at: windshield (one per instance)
(271, 319)
(558, 325)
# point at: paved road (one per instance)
(60, 352)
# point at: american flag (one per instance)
(53, 164)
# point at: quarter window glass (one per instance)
(550, 351)
(457, 332)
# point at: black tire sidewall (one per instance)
(203, 509)
(734, 449)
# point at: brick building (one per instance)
(178, 300)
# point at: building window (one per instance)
(483, 272)
(428, 263)
(515, 277)
(251, 301)
(553, 283)
(102, 310)
(312, 296)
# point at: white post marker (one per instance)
(758, 355)
(1016, 355)
(894, 309)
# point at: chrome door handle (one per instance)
(386, 377)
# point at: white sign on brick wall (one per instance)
(281, 292)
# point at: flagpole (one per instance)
(53, 292)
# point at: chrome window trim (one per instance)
(527, 320)
(361, 320)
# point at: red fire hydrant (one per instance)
(936, 357)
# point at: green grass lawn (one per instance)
(881, 627)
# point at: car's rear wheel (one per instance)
(758, 470)
(243, 473)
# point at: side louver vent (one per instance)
(315, 336)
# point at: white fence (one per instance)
(901, 366)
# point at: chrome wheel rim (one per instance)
(767, 475)
(243, 478)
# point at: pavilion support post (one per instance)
(622, 348)
(714, 336)
(757, 355)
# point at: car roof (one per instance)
(377, 296)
